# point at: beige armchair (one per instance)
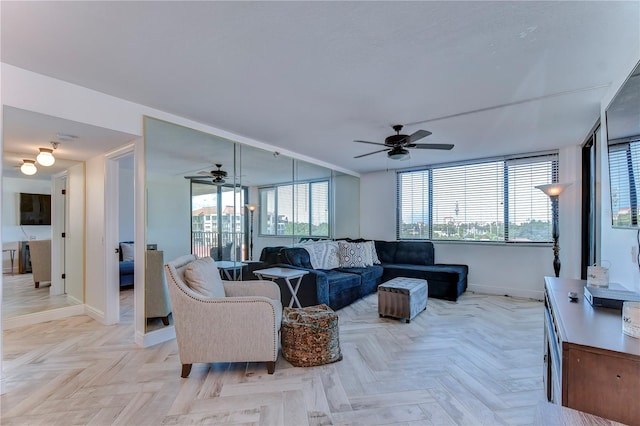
(239, 324)
(40, 253)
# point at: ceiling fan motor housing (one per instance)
(394, 140)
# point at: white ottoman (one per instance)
(402, 298)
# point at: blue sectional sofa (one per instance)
(340, 287)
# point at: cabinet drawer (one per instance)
(603, 384)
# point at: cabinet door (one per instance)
(604, 384)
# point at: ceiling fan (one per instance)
(217, 175)
(396, 145)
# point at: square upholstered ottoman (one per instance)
(402, 298)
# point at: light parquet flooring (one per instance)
(20, 297)
(477, 361)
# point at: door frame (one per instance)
(111, 236)
(58, 227)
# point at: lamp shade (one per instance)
(553, 189)
(46, 157)
(251, 207)
(28, 167)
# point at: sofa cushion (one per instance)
(323, 254)
(202, 276)
(271, 255)
(353, 255)
(296, 256)
(127, 252)
(386, 251)
(414, 253)
(126, 268)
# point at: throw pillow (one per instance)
(202, 276)
(323, 255)
(127, 252)
(372, 250)
(353, 255)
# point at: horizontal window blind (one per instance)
(624, 173)
(472, 201)
(529, 209)
(295, 210)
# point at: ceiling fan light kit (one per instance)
(28, 167)
(396, 145)
(398, 154)
(217, 175)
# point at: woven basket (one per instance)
(310, 336)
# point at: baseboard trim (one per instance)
(38, 317)
(95, 314)
(506, 291)
(156, 336)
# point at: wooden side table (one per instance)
(287, 275)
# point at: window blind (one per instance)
(624, 173)
(472, 201)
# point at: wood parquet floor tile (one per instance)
(474, 362)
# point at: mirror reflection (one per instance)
(211, 196)
(623, 137)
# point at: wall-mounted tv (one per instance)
(35, 209)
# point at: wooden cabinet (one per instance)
(590, 364)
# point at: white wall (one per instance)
(169, 215)
(345, 206)
(11, 229)
(74, 240)
(516, 270)
(95, 286)
(617, 244)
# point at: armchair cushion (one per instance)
(202, 276)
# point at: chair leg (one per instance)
(165, 320)
(186, 369)
(271, 367)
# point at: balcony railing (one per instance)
(225, 245)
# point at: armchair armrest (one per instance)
(252, 288)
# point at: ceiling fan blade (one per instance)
(197, 177)
(443, 146)
(372, 143)
(204, 173)
(419, 134)
(374, 152)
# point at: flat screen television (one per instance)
(35, 209)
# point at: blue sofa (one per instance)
(342, 286)
(126, 269)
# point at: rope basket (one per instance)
(310, 336)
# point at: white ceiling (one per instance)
(310, 77)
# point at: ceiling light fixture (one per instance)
(46, 157)
(28, 167)
(398, 153)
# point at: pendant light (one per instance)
(28, 167)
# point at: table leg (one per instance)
(12, 255)
(294, 291)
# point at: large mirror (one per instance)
(211, 196)
(623, 137)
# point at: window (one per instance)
(486, 200)
(301, 209)
(624, 173)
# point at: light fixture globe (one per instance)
(28, 167)
(398, 153)
(46, 157)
